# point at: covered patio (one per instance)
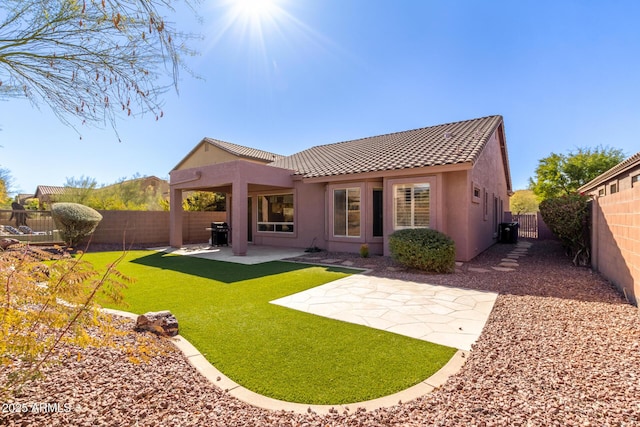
(238, 179)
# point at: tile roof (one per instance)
(445, 144)
(49, 189)
(621, 167)
(242, 151)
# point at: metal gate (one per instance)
(531, 226)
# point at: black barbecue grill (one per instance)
(219, 234)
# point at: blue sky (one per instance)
(564, 74)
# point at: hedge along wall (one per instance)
(142, 227)
(615, 240)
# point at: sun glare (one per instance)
(261, 32)
(256, 8)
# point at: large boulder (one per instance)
(160, 322)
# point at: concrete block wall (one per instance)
(145, 227)
(616, 240)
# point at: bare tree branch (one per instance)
(91, 60)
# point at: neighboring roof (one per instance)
(236, 150)
(621, 167)
(44, 190)
(446, 144)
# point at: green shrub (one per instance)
(75, 221)
(364, 251)
(568, 217)
(424, 249)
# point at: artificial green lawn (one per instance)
(223, 309)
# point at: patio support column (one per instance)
(239, 218)
(175, 218)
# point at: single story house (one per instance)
(452, 177)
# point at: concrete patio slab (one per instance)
(255, 254)
(439, 314)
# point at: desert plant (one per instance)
(364, 251)
(424, 249)
(75, 221)
(48, 300)
(568, 218)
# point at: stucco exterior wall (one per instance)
(487, 176)
(616, 240)
(457, 200)
(309, 218)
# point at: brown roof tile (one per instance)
(50, 190)
(242, 151)
(450, 143)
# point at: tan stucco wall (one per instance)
(207, 154)
(616, 240)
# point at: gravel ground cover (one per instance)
(561, 347)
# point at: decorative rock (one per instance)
(508, 264)
(5, 243)
(478, 270)
(503, 269)
(159, 322)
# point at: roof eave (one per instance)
(423, 170)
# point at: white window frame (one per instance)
(283, 225)
(412, 186)
(347, 190)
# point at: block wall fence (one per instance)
(152, 227)
(615, 240)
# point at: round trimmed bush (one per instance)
(424, 249)
(75, 221)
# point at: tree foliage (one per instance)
(92, 60)
(523, 201)
(204, 201)
(78, 190)
(568, 217)
(559, 174)
(48, 300)
(5, 187)
(126, 194)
